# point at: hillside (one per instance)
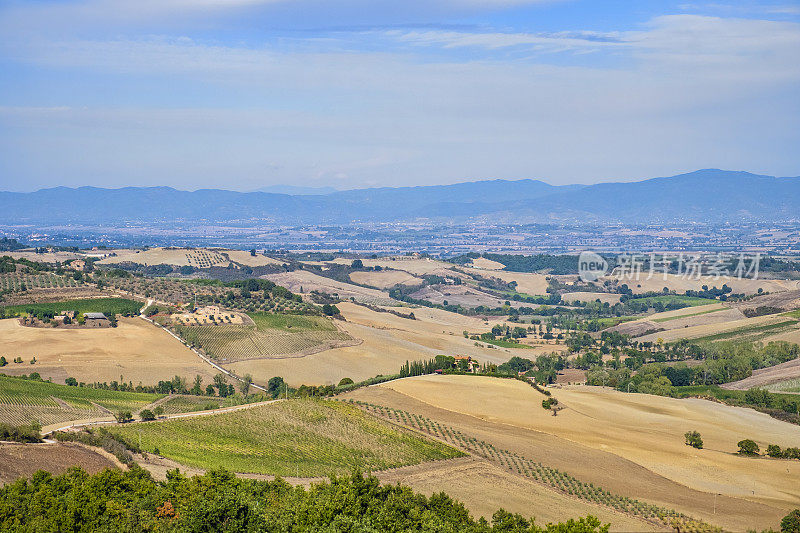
(701, 196)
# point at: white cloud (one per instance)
(687, 92)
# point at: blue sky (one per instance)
(242, 94)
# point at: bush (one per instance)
(147, 414)
(791, 522)
(72, 382)
(345, 381)
(549, 402)
(748, 447)
(694, 440)
(29, 433)
(773, 450)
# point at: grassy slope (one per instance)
(688, 300)
(297, 437)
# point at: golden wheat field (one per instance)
(136, 350)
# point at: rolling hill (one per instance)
(702, 196)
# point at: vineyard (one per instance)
(272, 336)
(308, 438)
(551, 477)
(19, 282)
(23, 401)
(109, 306)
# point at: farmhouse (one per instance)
(466, 361)
(96, 320)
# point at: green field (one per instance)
(506, 344)
(272, 336)
(793, 314)
(667, 319)
(607, 322)
(688, 301)
(309, 438)
(109, 306)
(23, 401)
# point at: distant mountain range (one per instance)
(702, 196)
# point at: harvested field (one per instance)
(243, 257)
(533, 284)
(484, 488)
(137, 350)
(463, 295)
(23, 460)
(604, 297)
(308, 281)
(384, 279)
(765, 377)
(309, 438)
(630, 444)
(412, 265)
(681, 284)
(487, 264)
(387, 343)
(705, 315)
(49, 257)
(785, 300)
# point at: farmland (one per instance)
(134, 351)
(17, 281)
(109, 306)
(628, 444)
(23, 401)
(298, 437)
(272, 336)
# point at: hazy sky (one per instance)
(242, 94)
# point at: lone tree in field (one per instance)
(147, 414)
(694, 440)
(748, 447)
(244, 386)
(123, 416)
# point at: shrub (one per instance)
(549, 402)
(694, 440)
(147, 414)
(123, 416)
(28, 433)
(773, 450)
(748, 447)
(345, 381)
